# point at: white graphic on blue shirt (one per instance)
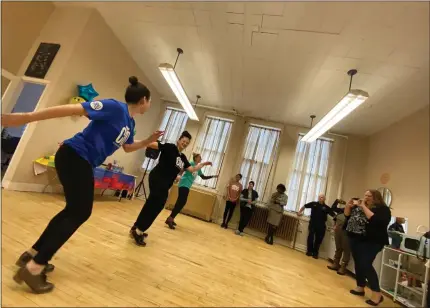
(123, 136)
(96, 105)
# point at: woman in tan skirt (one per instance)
(276, 209)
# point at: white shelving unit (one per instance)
(395, 264)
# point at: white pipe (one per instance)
(207, 107)
(340, 189)
(338, 135)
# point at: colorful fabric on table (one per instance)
(106, 179)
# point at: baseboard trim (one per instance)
(300, 247)
(32, 187)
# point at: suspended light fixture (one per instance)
(168, 72)
(347, 104)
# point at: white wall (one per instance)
(402, 152)
(89, 52)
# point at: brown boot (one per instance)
(27, 257)
(342, 270)
(334, 267)
(37, 283)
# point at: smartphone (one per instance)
(355, 201)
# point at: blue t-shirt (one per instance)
(111, 126)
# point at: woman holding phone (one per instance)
(366, 226)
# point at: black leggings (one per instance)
(181, 201)
(229, 210)
(245, 217)
(77, 177)
(158, 193)
(364, 253)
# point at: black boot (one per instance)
(169, 222)
(272, 233)
(134, 229)
(138, 238)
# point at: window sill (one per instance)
(203, 189)
(286, 213)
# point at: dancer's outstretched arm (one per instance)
(18, 119)
(207, 177)
(139, 144)
(198, 166)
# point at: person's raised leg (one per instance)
(179, 205)
(76, 176)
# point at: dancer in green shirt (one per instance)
(184, 185)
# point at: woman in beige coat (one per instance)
(276, 209)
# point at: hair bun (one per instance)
(133, 80)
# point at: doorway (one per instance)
(28, 96)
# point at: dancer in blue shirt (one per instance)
(111, 127)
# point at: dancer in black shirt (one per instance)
(317, 227)
(161, 179)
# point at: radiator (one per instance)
(287, 229)
(200, 204)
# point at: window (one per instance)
(211, 145)
(309, 176)
(258, 156)
(173, 124)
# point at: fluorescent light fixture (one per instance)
(349, 102)
(172, 79)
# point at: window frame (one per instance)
(271, 162)
(149, 163)
(304, 174)
(222, 154)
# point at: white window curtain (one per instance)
(173, 124)
(258, 156)
(309, 176)
(211, 145)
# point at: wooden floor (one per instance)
(198, 264)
